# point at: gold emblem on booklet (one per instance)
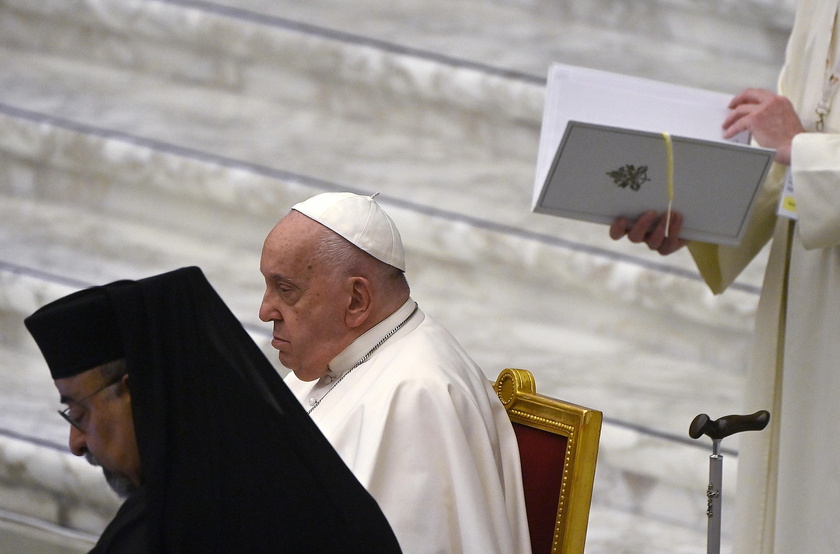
(630, 176)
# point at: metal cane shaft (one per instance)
(714, 502)
(718, 430)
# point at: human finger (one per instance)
(656, 236)
(642, 226)
(673, 241)
(749, 96)
(619, 228)
(735, 121)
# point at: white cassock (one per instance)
(422, 429)
(789, 474)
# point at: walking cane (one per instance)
(717, 430)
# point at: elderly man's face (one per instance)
(304, 301)
(106, 436)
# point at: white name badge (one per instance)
(787, 203)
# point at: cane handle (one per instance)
(727, 425)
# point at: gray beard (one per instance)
(120, 484)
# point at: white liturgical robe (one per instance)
(789, 474)
(422, 429)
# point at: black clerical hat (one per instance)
(76, 333)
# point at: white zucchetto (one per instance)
(360, 220)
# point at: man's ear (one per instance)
(359, 307)
(124, 382)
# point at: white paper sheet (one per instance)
(595, 123)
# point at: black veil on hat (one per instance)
(231, 461)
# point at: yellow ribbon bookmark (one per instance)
(669, 150)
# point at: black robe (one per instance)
(128, 532)
(231, 461)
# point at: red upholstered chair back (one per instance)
(543, 455)
(558, 447)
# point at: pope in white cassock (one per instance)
(789, 474)
(406, 408)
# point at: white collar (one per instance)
(366, 342)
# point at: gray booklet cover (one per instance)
(613, 161)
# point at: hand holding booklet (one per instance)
(613, 146)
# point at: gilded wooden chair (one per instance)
(558, 446)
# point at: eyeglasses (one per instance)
(74, 419)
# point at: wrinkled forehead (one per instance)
(296, 229)
(289, 249)
(71, 389)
